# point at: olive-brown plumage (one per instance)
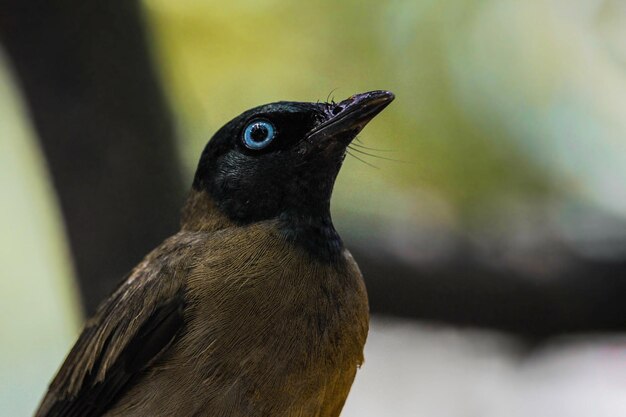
(254, 308)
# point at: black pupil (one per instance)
(259, 132)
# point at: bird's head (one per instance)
(280, 160)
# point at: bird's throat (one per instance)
(314, 233)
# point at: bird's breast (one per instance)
(272, 322)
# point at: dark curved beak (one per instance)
(350, 116)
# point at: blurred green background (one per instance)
(508, 132)
(216, 63)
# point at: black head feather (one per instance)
(291, 178)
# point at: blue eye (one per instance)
(258, 134)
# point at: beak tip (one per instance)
(387, 95)
(374, 101)
(382, 96)
(355, 112)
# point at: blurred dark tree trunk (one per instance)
(86, 70)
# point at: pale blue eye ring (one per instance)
(258, 134)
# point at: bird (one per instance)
(255, 307)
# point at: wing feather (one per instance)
(130, 330)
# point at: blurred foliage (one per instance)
(220, 60)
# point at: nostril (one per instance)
(336, 110)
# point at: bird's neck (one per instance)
(200, 213)
(313, 231)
